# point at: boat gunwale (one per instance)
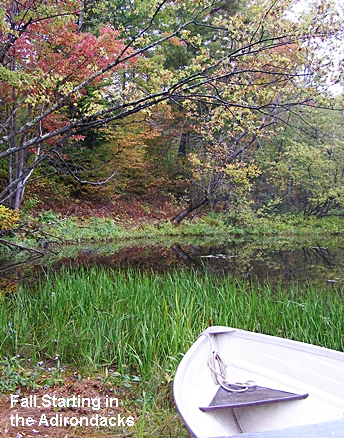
(200, 343)
(275, 340)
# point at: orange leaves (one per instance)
(66, 57)
(176, 41)
(47, 61)
(50, 50)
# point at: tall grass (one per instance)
(140, 322)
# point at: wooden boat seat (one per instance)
(331, 429)
(258, 395)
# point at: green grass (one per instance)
(103, 229)
(142, 322)
(51, 227)
(132, 329)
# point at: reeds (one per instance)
(143, 322)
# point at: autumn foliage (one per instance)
(142, 95)
(49, 60)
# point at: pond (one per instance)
(277, 259)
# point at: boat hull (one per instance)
(313, 373)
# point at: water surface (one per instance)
(270, 259)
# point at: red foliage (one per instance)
(47, 59)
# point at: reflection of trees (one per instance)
(248, 260)
(321, 254)
(191, 260)
(270, 259)
(33, 255)
(223, 260)
(287, 268)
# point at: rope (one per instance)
(219, 372)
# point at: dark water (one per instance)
(274, 259)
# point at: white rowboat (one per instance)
(236, 383)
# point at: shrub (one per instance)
(8, 218)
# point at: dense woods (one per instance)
(217, 104)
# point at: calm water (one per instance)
(273, 259)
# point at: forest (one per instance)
(165, 166)
(208, 105)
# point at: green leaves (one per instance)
(303, 164)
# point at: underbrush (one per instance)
(51, 227)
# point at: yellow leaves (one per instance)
(7, 287)
(240, 173)
(198, 167)
(8, 218)
(195, 40)
(46, 86)
(92, 108)
(212, 163)
(144, 7)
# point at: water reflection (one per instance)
(274, 260)
(14, 262)
(246, 260)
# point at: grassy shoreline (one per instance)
(51, 228)
(128, 319)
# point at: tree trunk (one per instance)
(183, 143)
(177, 219)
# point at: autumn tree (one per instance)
(44, 59)
(50, 63)
(270, 88)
